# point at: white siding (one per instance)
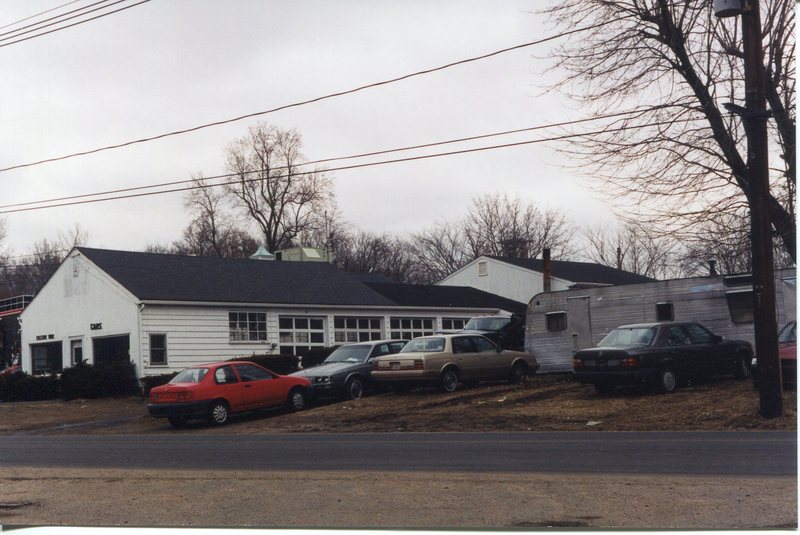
(77, 296)
(506, 280)
(200, 334)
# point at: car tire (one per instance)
(218, 413)
(667, 380)
(177, 421)
(354, 388)
(742, 369)
(448, 381)
(604, 388)
(296, 400)
(519, 373)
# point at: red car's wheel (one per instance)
(218, 413)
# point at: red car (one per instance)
(787, 352)
(214, 391)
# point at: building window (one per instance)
(356, 329)
(665, 312)
(299, 334)
(247, 326)
(483, 268)
(47, 358)
(158, 349)
(556, 321)
(740, 305)
(408, 328)
(454, 324)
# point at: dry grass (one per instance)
(544, 403)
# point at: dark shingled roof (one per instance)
(163, 277)
(428, 295)
(578, 271)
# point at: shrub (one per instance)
(99, 381)
(316, 356)
(23, 387)
(81, 381)
(151, 381)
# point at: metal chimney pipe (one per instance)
(712, 268)
(546, 269)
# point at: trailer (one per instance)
(559, 323)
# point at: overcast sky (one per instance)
(172, 64)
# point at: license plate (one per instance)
(394, 365)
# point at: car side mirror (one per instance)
(717, 339)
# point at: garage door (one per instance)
(112, 350)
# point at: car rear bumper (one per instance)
(615, 376)
(192, 409)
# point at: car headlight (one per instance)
(319, 380)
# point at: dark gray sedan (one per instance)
(346, 371)
(659, 355)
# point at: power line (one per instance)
(51, 18)
(339, 158)
(37, 14)
(77, 23)
(341, 168)
(306, 102)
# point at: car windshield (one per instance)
(192, 375)
(788, 334)
(349, 354)
(487, 323)
(424, 345)
(635, 336)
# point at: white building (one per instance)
(519, 279)
(166, 312)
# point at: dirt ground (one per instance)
(543, 403)
(127, 497)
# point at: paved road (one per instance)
(698, 453)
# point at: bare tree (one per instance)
(365, 252)
(270, 186)
(676, 158)
(726, 239)
(214, 230)
(501, 226)
(634, 249)
(439, 251)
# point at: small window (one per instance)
(556, 321)
(248, 372)
(158, 349)
(225, 375)
(665, 312)
(740, 305)
(483, 269)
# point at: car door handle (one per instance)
(248, 386)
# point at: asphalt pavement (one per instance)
(772, 453)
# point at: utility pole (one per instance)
(755, 123)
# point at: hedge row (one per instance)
(87, 381)
(83, 381)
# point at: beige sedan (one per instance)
(448, 359)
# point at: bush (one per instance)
(316, 356)
(151, 381)
(23, 387)
(88, 381)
